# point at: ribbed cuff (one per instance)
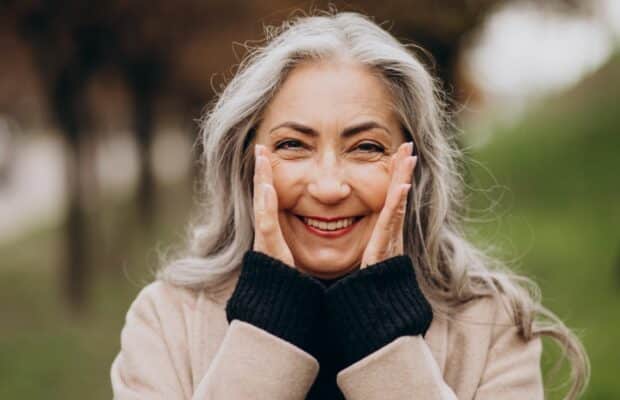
(371, 307)
(277, 298)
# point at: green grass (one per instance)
(48, 351)
(559, 213)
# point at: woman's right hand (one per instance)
(268, 237)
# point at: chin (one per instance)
(326, 273)
(316, 257)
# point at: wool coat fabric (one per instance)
(178, 344)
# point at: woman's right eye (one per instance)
(288, 144)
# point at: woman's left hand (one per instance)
(386, 240)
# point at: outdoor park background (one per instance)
(97, 121)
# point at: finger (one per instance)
(261, 221)
(405, 173)
(263, 172)
(399, 219)
(267, 170)
(407, 163)
(256, 179)
(391, 218)
(261, 176)
(267, 199)
(398, 214)
(258, 203)
(268, 235)
(274, 239)
(392, 163)
(399, 165)
(271, 205)
(263, 213)
(397, 173)
(411, 164)
(267, 223)
(394, 207)
(381, 233)
(268, 193)
(383, 230)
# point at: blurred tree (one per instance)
(171, 49)
(7, 151)
(71, 42)
(445, 28)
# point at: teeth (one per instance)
(329, 226)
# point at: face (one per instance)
(331, 133)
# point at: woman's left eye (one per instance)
(373, 147)
(286, 144)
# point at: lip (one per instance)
(329, 219)
(330, 234)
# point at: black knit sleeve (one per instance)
(277, 298)
(371, 307)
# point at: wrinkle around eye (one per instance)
(374, 158)
(354, 156)
(275, 162)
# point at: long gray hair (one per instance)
(450, 268)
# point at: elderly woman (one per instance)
(331, 262)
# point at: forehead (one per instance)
(331, 92)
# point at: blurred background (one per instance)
(98, 110)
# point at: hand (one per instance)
(268, 237)
(386, 240)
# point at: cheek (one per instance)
(371, 182)
(288, 181)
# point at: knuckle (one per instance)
(400, 212)
(381, 255)
(266, 226)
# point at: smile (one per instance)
(330, 229)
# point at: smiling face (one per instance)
(332, 133)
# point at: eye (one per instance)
(371, 147)
(366, 147)
(287, 144)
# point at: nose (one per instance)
(327, 184)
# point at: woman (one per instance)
(334, 120)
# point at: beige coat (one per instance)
(177, 344)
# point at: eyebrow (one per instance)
(347, 132)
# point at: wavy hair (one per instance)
(452, 269)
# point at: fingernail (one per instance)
(410, 148)
(256, 150)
